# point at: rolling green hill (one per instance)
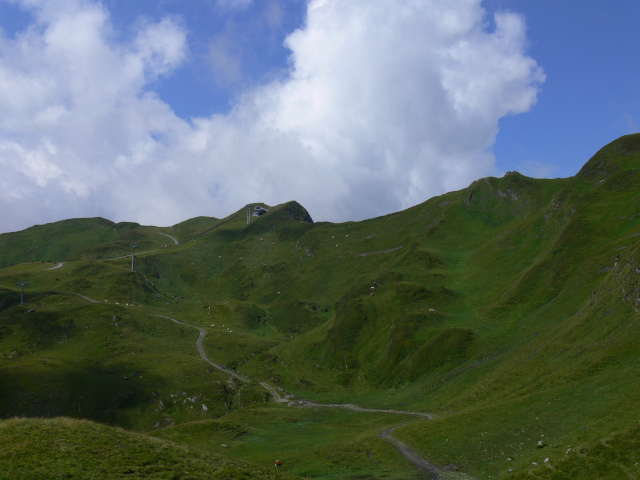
(508, 309)
(64, 448)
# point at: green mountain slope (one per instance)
(54, 241)
(509, 309)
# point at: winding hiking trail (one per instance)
(410, 455)
(201, 351)
(423, 465)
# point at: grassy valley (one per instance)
(507, 310)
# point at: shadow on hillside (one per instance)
(41, 389)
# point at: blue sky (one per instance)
(159, 111)
(590, 52)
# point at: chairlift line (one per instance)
(22, 284)
(133, 254)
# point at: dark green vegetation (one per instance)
(508, 309)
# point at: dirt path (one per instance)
(127, 256)
(411, 456)
(175, 241)
(379, 252)
(355, 408)
(433, 471)
(202, 352)
(292, 402)
(85, 297)
(276, 396)
(57, 266)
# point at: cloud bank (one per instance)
(385, 104)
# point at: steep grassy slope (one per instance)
(520, 326)
(508, 308)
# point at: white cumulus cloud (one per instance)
(386, 103)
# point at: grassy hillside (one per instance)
(509, 309)
(54, 241)
(65, 448)
(90, 238)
